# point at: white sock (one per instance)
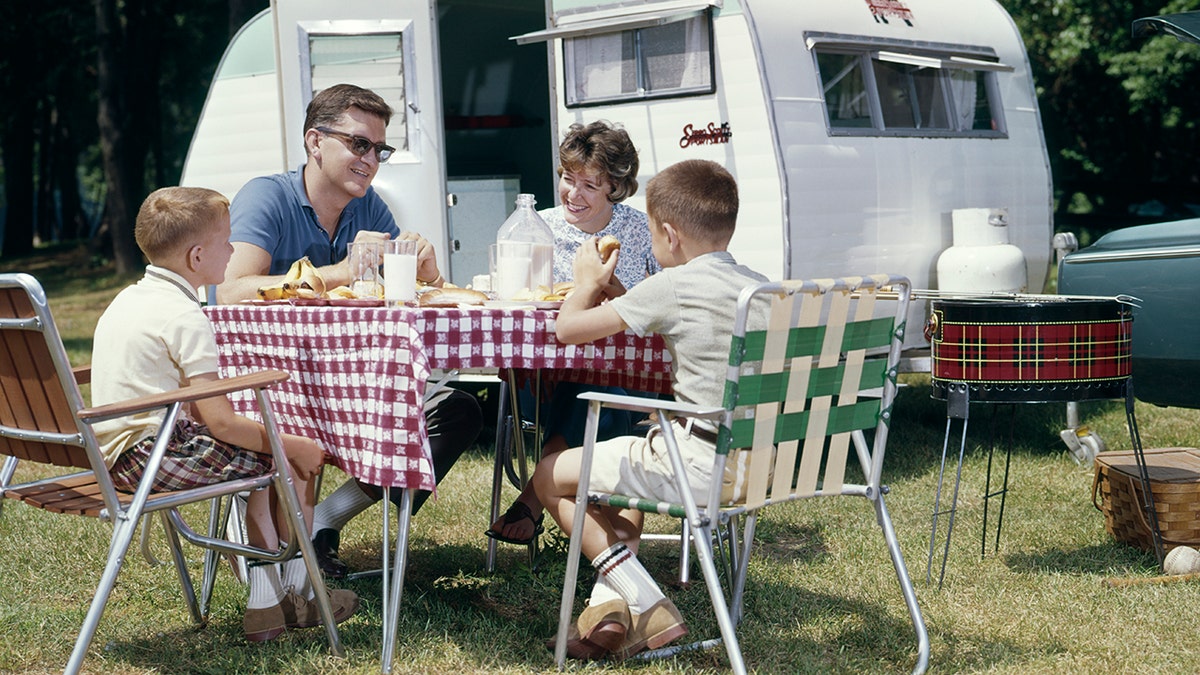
(603, 591)
(337, 509)
(622, 571)
(265, 587)
(293, 574)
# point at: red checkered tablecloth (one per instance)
(357, 372)
(523, 339)
(356, 380)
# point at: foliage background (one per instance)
(99, 99)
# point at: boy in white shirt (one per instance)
(155, 338)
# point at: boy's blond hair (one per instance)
(174, 218)
(698, 197)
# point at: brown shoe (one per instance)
(263, 624)
(301, 613)
(599, 631)
(660, 625)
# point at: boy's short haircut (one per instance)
(329, 104)
(173, 218)
(697, 196)
(606, 149)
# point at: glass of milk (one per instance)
(400, 272)
(512, 263)
(366, 257)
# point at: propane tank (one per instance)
(981, 259)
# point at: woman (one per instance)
(597, 170)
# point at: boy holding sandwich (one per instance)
(692, 208)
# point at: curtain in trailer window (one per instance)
(605, 66)
(963, 91)
(676, 55)
(661, 60)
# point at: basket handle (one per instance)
(1096, 490)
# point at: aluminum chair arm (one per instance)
(196, 392)
(649, 405)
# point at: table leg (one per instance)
(503, 438)
(391, 600)
(510, 445)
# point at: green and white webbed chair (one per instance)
(801, 388)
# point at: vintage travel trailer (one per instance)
(854, 127)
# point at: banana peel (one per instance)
(301, 281)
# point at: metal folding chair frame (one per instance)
(815, 390)
(42, 366)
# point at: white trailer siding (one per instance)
(658, 127)
(817, 203)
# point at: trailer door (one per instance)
(390, 48)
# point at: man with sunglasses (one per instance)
(316, 211)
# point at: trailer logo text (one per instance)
(882, 9)
(710, 135)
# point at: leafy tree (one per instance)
(102, 91)
(1119, 112)
(46, 84)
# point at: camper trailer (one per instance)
(854, 127)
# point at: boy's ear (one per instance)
(193, 256)
(672, 235)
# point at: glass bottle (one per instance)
(524, 251)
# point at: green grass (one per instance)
(822, 595)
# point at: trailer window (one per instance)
(875, 92)
(375, 61)
(673, 59)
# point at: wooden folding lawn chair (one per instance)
(796, 395)
(43, 420)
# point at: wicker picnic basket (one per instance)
(1175, 484)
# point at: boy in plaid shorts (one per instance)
(155, 338)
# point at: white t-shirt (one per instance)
(152, 338)
(692, 306)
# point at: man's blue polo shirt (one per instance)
(273, 213)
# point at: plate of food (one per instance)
(452, 297)
(309, 302)
(356, 302)
(509, 304)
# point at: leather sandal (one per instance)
(515, 514)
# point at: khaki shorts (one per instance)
(640, 466)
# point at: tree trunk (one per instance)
(18, 185)
(112, 116)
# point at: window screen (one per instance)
(669, 60)
(922, 93)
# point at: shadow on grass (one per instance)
(918, 432)
(1111, 558)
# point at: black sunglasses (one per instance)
(360, 146)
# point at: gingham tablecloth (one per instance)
(356, 380)
(358, 373)
(523, 339)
